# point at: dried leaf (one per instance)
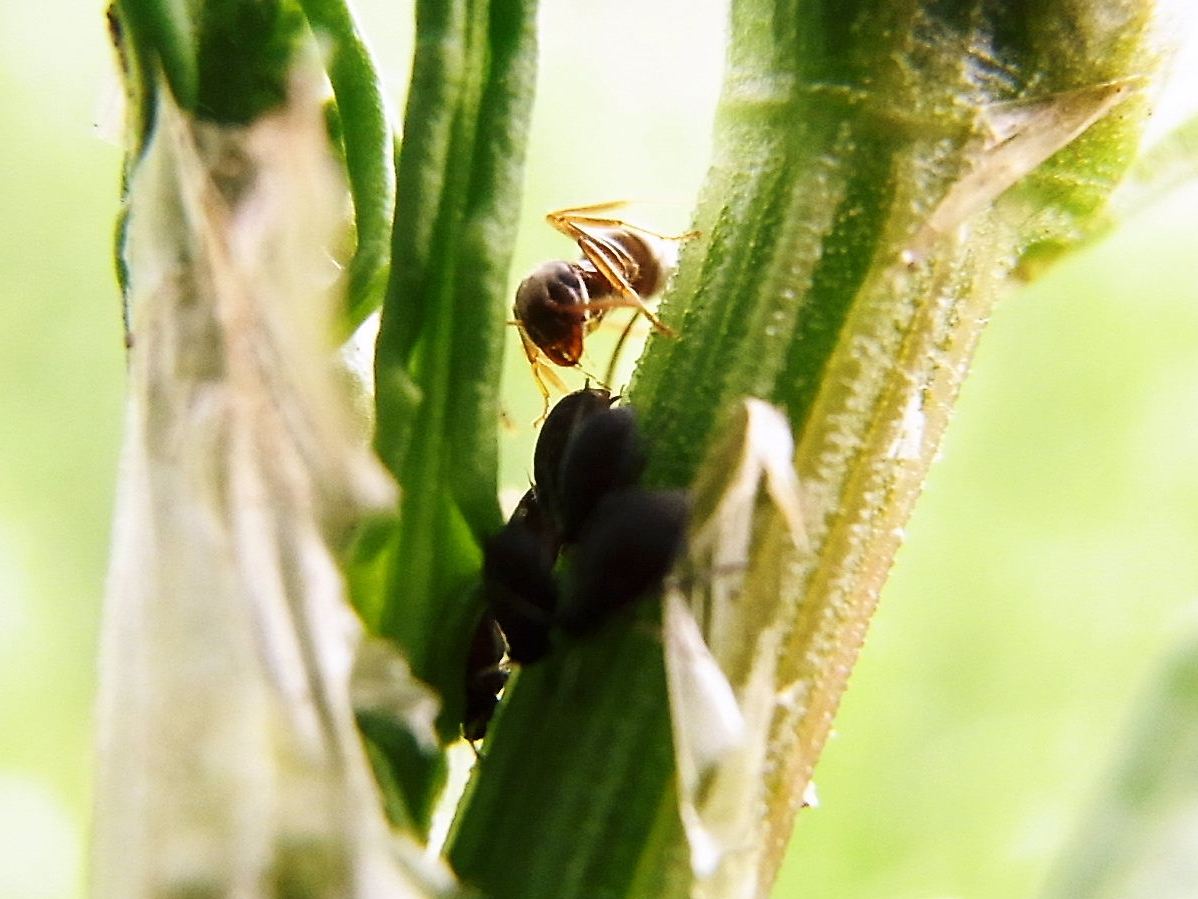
(721, 677)
(229, 763)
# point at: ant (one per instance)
(561, 302)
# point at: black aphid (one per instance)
(605, 454)
(555, 438)
(519, 587)
(485, 677)
(612, 541)
(625, 550)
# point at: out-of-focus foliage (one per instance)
(1138, 842)
(1037, 593)
(1039, 585)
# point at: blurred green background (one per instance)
(1048, 571)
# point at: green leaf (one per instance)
(154, 36)
(226, 61)
(369, 143)
(223, 61)
(440, 339)
(244, 57)
(880, 171)
(1138, 840)
(229, 61)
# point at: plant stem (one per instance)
(851, 252)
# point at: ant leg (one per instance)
(610, 377)
(540, 373)
(608, 265)
(570, 221)
(632, 300)
(534, 360)
(609, 259)
(589, 210)
(619, 223)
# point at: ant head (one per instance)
(555, 283)
(551, 306)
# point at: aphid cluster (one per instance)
(584, 542)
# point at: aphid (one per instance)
(570, 413)
(626, 549)
(586, 450)
(530, 515)
(518, 583)
(561, 302)
(486, 676)
(605, 454)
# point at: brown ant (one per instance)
(561, 302)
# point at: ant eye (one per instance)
(564, 286)
(626, 549)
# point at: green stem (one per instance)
(856, 143)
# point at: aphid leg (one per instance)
(478, 756)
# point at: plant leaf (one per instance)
(722, 676)
(441, 333)
(369, 141)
